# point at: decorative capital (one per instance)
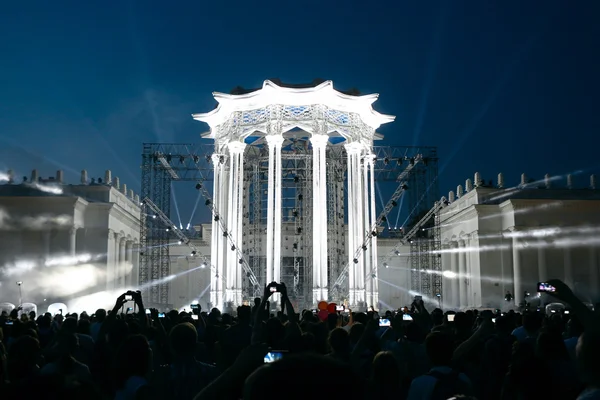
(318, 140)
(353, 148)
(274, 140)
(236, 147)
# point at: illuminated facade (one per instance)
(498, 239)
(273, 120)
(92, 227)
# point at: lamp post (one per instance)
(19, 284)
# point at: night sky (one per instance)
(506, 86)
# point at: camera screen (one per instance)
(128, 297)
(194, 317)
(406, 317)
(273, 356)
(450, 317)
(339, 308)
(148, 311)
(273, 289)
(194, 306)
(546, 287)
(161, 315)
(384, 322)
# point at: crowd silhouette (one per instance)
(476, 354)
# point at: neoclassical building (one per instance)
(498, 240)
(88, 233)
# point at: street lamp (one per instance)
(19, 284)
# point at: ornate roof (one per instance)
(299, 104)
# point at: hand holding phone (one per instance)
(545, 287)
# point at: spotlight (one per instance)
(404, 187)
(364, 247)
(196, 159)
(169, 158)
(225, 233)
(374, 233)
(194, 252)
(355, 261)
(386, 161)
(397, 253)
(241, 260)
(438, 295)
(232, 247)
(198, 186)
(154, 216)
(385, 265)
(207, 203)
(167, 229)
(216, 217)
(203, 265)
(181, 159)
(399, 161)
(19, 283)
(394, 204)
(180, 242)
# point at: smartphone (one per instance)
(339, 308)
(128, 297)
(567, 312)
(194, 306)
(161, 315)
(194, 316)
(450, 317)
(406, 317)
(384, 322)
(315, 311)
(273, 356)
(494, 320)
(546, 287)
(148, 312)
(8, 322)
(273, 289)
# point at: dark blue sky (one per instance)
(505, 86)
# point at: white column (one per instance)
(359, 194)
(456, 278)
(541, 258)
(366, 254)
(278, 141)
(231, 207)
(223, 244)
(373, 228)
(128, 261)
(236, 178)
(240, 217)
(568, 267)
(215, 235)
(319, 239)
(135, 268)
(462, 273)
(350, 235)
(270, 206)
(110, 256)
(517, 276)
(356, 274)
(73, 240)
(121, 267)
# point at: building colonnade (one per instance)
(517, 257)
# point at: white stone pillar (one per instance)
(350, 234)
(233, 276)
(360, 228)
(373, 228)
(129, 263)
(73, 240)
(517, 276)
(319, 239)
(121, 267)
(135, 267)
(216, 247)
(462, 274)
(541, 258)
(273, 245)
(456, 278)
(240, 217)
(366, 254)
(568, 267)
(278, 141)
(356, 273)
(110, 259)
